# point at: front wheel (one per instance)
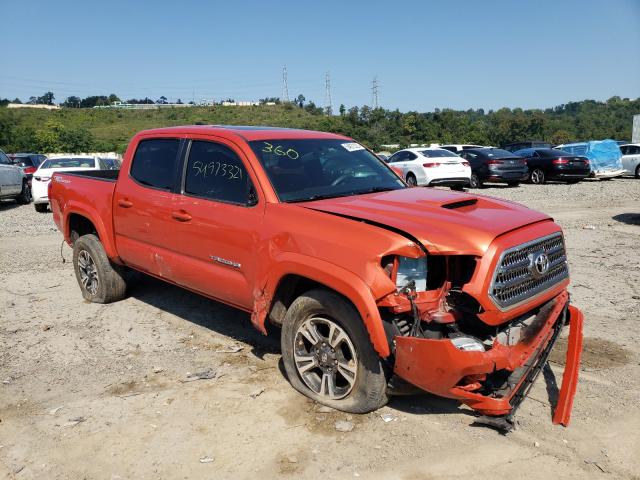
(25, 194)
(327, 354)
(100, 280)
(637, 174)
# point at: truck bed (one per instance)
(88, 193)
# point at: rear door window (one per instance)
(155, 163)
(214, 171)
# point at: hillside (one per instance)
(110, 129)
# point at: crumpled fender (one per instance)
(328, 274)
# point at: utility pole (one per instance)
(285, 85)
(327, 94)
(374, 91)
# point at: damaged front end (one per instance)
(484, 350)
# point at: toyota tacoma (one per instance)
(370, 280)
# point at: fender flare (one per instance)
(91, 214)
(330, 275)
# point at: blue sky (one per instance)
(426, 54)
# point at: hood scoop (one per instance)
(460, 204)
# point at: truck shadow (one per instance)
(628, 218)
(207, 313)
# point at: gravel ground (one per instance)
(104, 391)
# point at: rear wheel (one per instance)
(25, 194)
(100, 280)
(474, 181)
(638, 171)
(40, 207)
(537, 176)
(327, 354)
(411, 180)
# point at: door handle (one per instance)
(181, 216)
(124, 203)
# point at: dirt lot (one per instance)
(101, 391)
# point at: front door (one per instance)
(223, 216)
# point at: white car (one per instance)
(631, 158)
(42, 176)
(430, 166)
(13, 181)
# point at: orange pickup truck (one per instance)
(370, 280)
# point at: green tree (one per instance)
(46, 99)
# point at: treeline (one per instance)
(83, 129)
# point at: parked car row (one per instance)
(468, 165)
(25, 177)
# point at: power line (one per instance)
(374, 92)
(327, 94)
(285, 85)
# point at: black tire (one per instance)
(40, 207)
(411, 180)
(637, 174)
(111, 285)
(474, 181)
(537, 176)
(368, 391)
(25, 195)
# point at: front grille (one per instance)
(529, 269)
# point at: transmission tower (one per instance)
(374, 91)
(327, 95)
(285, 85)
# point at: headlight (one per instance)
(412, 269)
(468, 344)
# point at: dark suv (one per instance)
(495, 165)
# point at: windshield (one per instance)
(437, 153)
(303, 170)
(69, 163)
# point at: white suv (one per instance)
(431, 166)
(631, 158)
(13, 181)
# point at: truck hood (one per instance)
(443, 221)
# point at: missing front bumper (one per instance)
(438, 367)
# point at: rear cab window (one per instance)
(155, 163)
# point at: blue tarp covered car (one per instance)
(604, 156)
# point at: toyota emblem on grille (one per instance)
(541, 263)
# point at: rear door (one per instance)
(144, 203)
(222, 214)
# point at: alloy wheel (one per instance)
(537, 176)
(325, 358)
(88, 272)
